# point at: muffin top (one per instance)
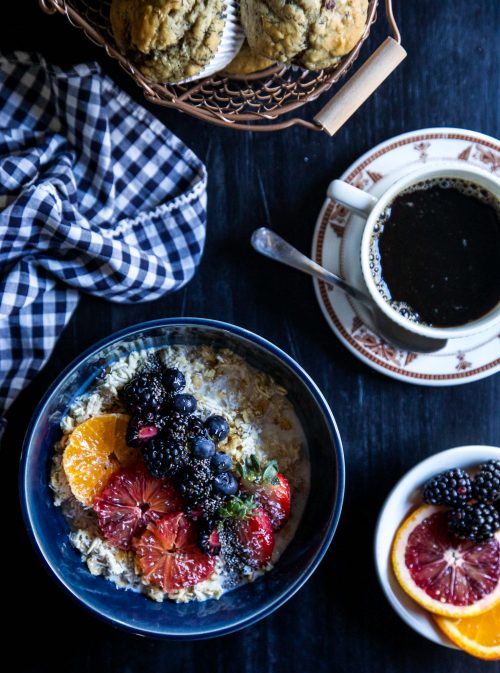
(311, 33)
(247, 62)
(168, 40)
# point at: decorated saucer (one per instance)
(336, 245)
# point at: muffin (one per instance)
(177, 40)
(311, 33)
(247, 62)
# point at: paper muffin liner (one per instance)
(230, 44)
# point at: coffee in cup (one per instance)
(435, 252)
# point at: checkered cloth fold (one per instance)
(96, 196)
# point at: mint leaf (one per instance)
(270, 473)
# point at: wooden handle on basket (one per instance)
(361, 86)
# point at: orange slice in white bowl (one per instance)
(96, 449)
(445, 575)
(479, 636)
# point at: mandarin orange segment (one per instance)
(479, 636)
(96, 449)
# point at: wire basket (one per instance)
(254, 102)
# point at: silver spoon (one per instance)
(269, 244)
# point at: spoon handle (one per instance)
(269, 244)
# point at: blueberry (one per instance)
(221, 462)
(173, 380)
(202, 447)
(217, 427)
(184, 404)
(226, 483)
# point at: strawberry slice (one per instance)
(269, 488)
(246, 535)
(131, 499)
(168, 556)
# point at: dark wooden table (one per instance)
(340, 621)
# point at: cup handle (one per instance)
(355, 199)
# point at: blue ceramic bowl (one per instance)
(238, 608)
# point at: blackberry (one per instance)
(144, 427)
(196, 427)
(153, 365)
(144, 393)
(452, 488)
(477, 522)
(158, 419)
(194, 480)
(176, 426)
(208, 537)
(195, 483)
(486, 484)
(164, 458)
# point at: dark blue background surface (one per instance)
(339, 621)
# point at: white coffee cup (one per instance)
(371, 208)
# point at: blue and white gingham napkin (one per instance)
(96, 196)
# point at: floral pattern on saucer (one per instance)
(462, 360)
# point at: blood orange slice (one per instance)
(130, 500)
(168, 556)
(96, 449)
(446, 575)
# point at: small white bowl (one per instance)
(403, 498)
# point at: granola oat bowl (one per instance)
(274, 413)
